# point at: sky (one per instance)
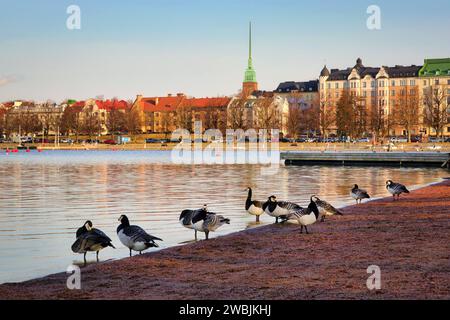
(200, 47)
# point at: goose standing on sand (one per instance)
(208, 221)
(252, 206)
(279, 209)
(187, 216)
(134, 237)
(396, 189)
(325, 209)
(90, 239)
(359, 194)
(305, 217)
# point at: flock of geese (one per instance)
(90, 239)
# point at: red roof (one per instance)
(207, 102)
(158, 104)
(112, 104)
(171, 103)
(78, 104)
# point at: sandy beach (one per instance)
(409, 240)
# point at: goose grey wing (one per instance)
(76, 246)
(258, 204)
(297, 214)
(362, 193)
(399, 188)
(87, 240)
(101, 234)
(137, 234)
(289, 206)
(327, 207)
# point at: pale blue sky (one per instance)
(199, 47)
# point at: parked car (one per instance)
(399, 139)
(447, 139)
(26, 140)
(66, 141)
(363, 140)
(110, 141)
(40, 140)
(435, 139)
(92, 141)
(151, 140)
(416, 139)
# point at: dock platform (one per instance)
(349, 158)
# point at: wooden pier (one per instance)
(349, 158)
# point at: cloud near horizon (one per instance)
(5, 80)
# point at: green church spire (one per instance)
(250, 74)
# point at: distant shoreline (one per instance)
(426, 147)
(408, 240)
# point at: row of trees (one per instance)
(87, 122)
(353, 118)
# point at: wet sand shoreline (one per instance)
(409, 240)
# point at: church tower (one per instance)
(250, 84)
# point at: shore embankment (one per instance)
(409, 240)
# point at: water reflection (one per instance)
(45, 197)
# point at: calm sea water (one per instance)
(45, 197)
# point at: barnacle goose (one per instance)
(305, 217)
(359, 194)
(90, 239)
(187, 216)
(396, 189)
(208, 221)
(134, 237)
(279, 209)
(325, 209)
(253, 207)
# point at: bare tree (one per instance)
(406, 109)
(294, 121)
(115, 121)
(346, 115)
(267, 116)
(183, 117)
(71, 122)
(435, 108)
(310, 120)
(327, 118)
(377, 120)
(91, 122)
(236, 114)
(132, 121)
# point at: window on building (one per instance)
(393, 93)
(448, 81)
(393, 83)
(412, 82)
(372, 84)
(436, 82)
(412, 92)
(424, 82)
(329, 86)
(365, 84)
(336, 85)
(448, 129)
